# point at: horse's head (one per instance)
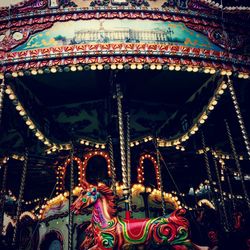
(87, 197)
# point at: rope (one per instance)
(20, 196)
(226, 224)
(2, 197)
(2, 89)
(160, 177)
(237, 163)
(129, 161)
(239, 116)
(112, 165)
(70, 235)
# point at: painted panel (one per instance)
(117, 31)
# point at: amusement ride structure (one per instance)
(124, 124)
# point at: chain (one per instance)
(20, 196)
(70, 235)
(239, 116)
(221, 194)
(112, 165)
(2, 197)
(237, 163)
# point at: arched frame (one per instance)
(140, 169)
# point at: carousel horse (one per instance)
(112, 232)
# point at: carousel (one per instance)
(124, 124)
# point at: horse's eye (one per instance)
(84, 200)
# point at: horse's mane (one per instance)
(109, 195)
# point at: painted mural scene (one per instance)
(124, 125)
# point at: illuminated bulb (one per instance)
(189, 68)
(120, 66)
(73, 68)
(31, 126)
(1, 76)
(195, 69)
(12, 97)
(214, 102)
(28, 122)
(212, 71)
(224, 86)
(171, 67)
(211, 107)
(19, 107)
(99, 66)
(221, 92)
(14, 74)
(34, 72)
(39, 71)
(8, 91)
(229, 73)
(113, 66)
(22, 113)
(205, 117)
(202, 121)
(177, 67)
(53, 70)
(93, 67)
(133, 66)
(80, 68)
(246, 76)
(240, 75)
(152, 66)
(223, 72)
(158, 67)
(139, 66)
(206, 70)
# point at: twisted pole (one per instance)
(158, 158)
(112, 165)
(2, 196)
(239, 116)
(208, 169)
(70, 228)
(129, 161)
(119, 97)
(237, 163)
(225, 221)
(2, 89)
(20, 196)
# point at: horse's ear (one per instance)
(85, 185)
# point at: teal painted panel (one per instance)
(117, 31)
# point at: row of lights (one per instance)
(31, 125)
(120, 66)
(140, 170)
(201, 120)
(92, 144)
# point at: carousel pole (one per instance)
(208, 169)
(237, 163)
(112, 165)
(129, 161)
(2, 196)
(20, 196)
(160, 177)
(239, 116)
(225, 221)
(122, 148)
(71, 214)
(2, 89)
